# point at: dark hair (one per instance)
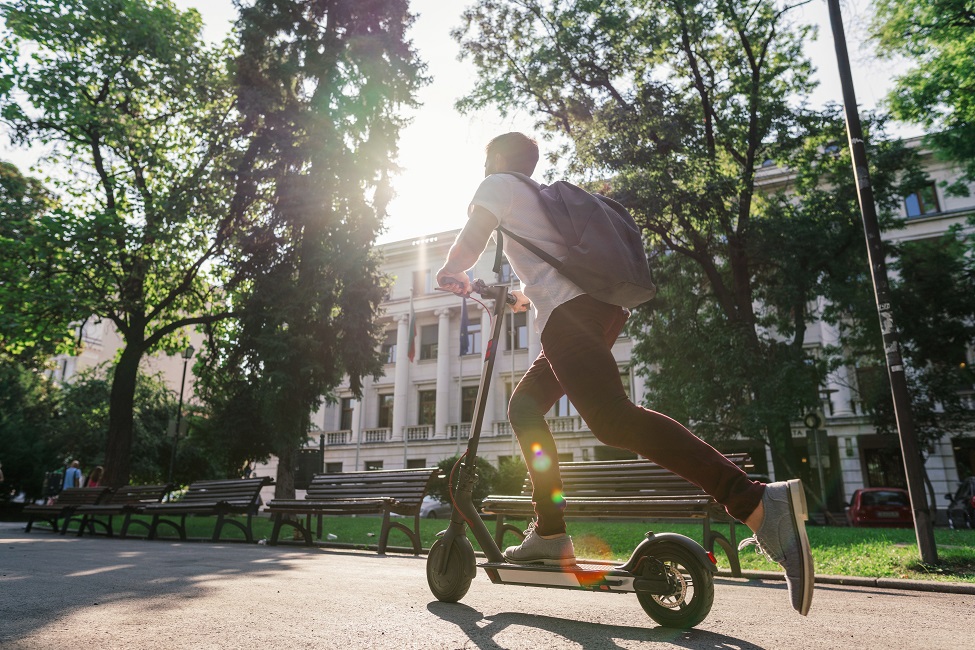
(518, 150)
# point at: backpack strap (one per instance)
(542, 255)
(545, 257)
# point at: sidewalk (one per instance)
(65, 591)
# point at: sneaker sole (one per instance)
(797, 500)
(569, 561)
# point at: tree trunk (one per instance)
(118, 452)
(284, 480)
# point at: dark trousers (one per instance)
(577, 360)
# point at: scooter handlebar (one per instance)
(483, 289)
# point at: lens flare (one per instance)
(558, 498)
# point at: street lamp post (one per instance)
(187, 355)
(923, 524)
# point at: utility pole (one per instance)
(923, 524)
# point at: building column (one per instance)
(534, 338)
(443, 373)
(838, 381)
(401, 377)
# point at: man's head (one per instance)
(76, 463)
(511, 152)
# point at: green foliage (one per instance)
(935, 291)
(27, 406)
(319, 84)
(670, 107)
(29, 271)
(81, 427)
(139, 110)
(937, 37)
(511, 475)
(487, 479)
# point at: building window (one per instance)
(563, 408)
(507, 275)
(385, 419)
(428, 407)
(333, 468)
(422, 282)
(516, 326)
(428, 341)
(474, 338)
(416, 463)
(468, 398)
(389, 347)
(922, 202)
(373, 464)
(345, 423)
(627, 382)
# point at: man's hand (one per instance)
(458, 283)
(522, 303)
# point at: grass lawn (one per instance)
(867, 552)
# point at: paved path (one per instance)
(68, 592)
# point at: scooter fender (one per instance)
(652, 539)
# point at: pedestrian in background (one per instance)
(72, 476)
(95, 477)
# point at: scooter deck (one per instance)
(591, 577)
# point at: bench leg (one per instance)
(388, 525)
(280, 520)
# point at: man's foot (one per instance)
(555, 551)
(782, 538)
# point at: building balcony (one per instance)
(338, 438)
(419, 433)
(382, 434)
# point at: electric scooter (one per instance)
(671, 575)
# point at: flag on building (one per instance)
(411, 350)
(465, 347)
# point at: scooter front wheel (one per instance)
(451, 567)
(690, 601)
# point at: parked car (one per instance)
(434, 508)
(886, 507)
(961, 510)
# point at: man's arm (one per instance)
(466, 249)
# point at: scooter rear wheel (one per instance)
(451, 568)
(693, 596)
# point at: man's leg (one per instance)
(535, 394)
(583, 363)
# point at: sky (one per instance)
(442, 152)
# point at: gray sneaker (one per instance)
(782, 539)
(538, 550)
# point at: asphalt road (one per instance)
(68, 592)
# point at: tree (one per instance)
(27, 272)
(138, 111)
(938, 38)
(319, 85)
(670, 107)
(935, 285)
(80, 429)
(27, 406)
(673, 108)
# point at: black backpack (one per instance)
(606, 255)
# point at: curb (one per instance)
(873, 583)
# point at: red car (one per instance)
(887, 507)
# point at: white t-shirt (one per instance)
(518, 209)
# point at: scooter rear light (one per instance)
(713, 559)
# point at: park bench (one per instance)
(626, 489)
(68, 501)
(123, 502)
(385, 492)
(221, 498)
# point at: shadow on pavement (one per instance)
(482, 631)
(38, 587)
